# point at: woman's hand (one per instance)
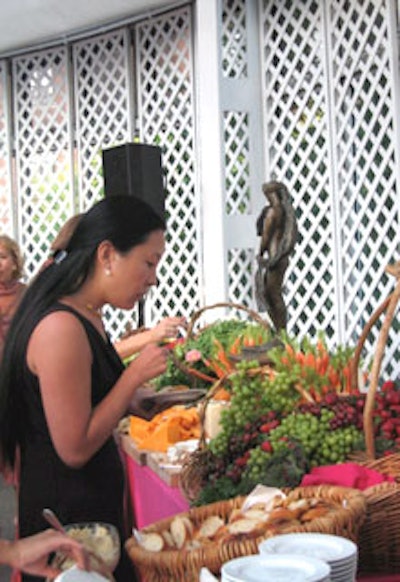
(31, 554)
(168, 328)
(149, 363)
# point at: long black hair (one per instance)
(123, 220)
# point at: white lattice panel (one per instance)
(101, 103)
(237, 163)
(6, 222)
(364, 109)
(42, 132)
(297, 154)
(234, 39)
(331, 139)
(241, 123)
(165, 99)
(241, 276)
(102, 120)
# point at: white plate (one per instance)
(273, 568)
(323, 546)
(74, 574)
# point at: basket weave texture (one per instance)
(185, 565)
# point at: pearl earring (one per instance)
(107, 272)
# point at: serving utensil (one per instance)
(100, 565)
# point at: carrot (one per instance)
(235, 347)
(290, 350)
(347, 378)
(201, 375)
(309, 360)
(222, 357)
(333, 377)
(322, 364)
(225, 361)
(215, 367)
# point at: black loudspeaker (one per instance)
(134, 169)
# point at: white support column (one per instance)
(210, 150)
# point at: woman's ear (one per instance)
(105, 255)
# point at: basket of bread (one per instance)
(176, 548)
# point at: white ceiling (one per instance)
(24, 23)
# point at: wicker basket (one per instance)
(194, 321)
(194, 330)
(379, 543)
(185, 565)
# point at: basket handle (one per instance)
(197, 314)
(355, 361)
(389, 306)
(376, 365)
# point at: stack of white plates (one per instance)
(273, 568)
(340, 553)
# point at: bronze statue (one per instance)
(277, 227)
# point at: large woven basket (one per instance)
(194, 329)
(379, 543)
(185, 565)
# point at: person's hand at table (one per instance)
(166, 329)
(31, 554)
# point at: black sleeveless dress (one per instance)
(94, 492)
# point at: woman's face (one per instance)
(134, 273)
(7, 265)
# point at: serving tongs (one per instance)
(96, 563)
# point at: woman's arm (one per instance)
(59, 354)
(167, 328)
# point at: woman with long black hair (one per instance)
(63, 387)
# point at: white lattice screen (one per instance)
(72, 102)
(166, 113)
(6, 218)
(240, 120)
(103, 120)
(101, 68)
(43, 152)
(330, 107)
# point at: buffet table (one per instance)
(153, 499)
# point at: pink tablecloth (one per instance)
(151, 497)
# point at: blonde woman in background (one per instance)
(11, 287)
